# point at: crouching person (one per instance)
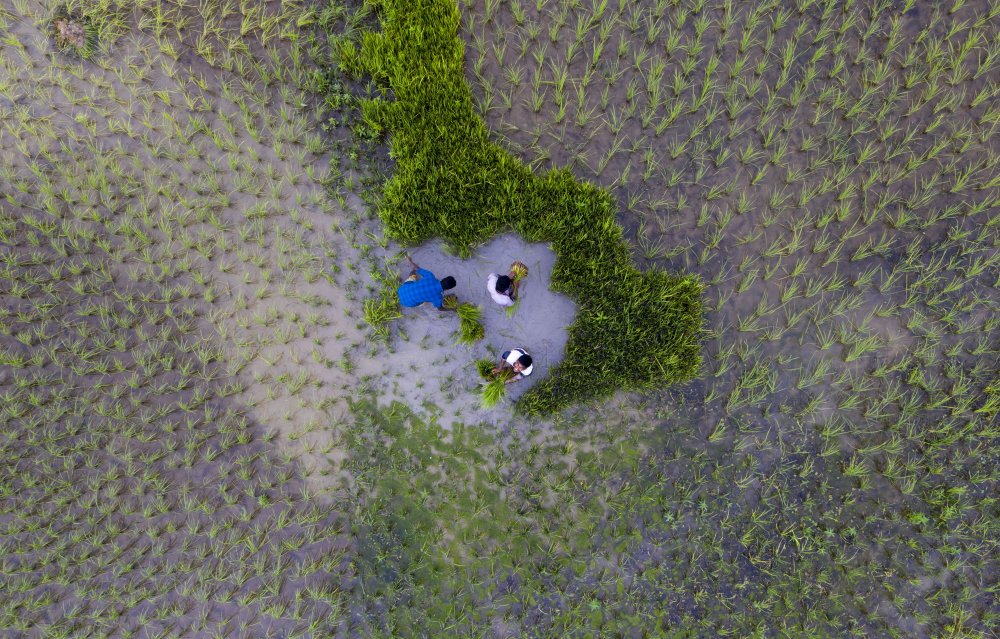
(516, 360)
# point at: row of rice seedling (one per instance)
(148, 482)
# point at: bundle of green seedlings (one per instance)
(384, 306)
(471, 329)
(519, 271)
(452, 181)
(494, 384)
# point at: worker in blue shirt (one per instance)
(421, 286)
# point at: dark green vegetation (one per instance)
(634, 330)
(177, 455)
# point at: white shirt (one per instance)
(514, 355)
(499, 298)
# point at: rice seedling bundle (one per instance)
(495, 389)
(520, 271)
(485, 368)
(470, 328)
(73, 33)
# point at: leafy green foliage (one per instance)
(635, 330)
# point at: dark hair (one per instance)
(503, 284)
(524, 360)
(447, 283)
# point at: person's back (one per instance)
(501, 289)
(421, 287)
(518, 361)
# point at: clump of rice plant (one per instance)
(471, 329)
(518, 271)
(379, 311)
(73, 33)
(496, 388)
(484, 367)
(991, 406)
(383, 307)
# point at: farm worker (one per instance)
(516, 359)
(503, 288)
(421, 287)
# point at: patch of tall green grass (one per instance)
(634, 330)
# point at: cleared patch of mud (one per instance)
(427, 367)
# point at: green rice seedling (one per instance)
(471, 330)
(859, 346)
(755, 384)
(495, 389)
(485, 367)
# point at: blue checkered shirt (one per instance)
(426, 289)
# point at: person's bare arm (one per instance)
(413, 269)
(513, 294)
(516, 378)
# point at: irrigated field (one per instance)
(197, 437)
